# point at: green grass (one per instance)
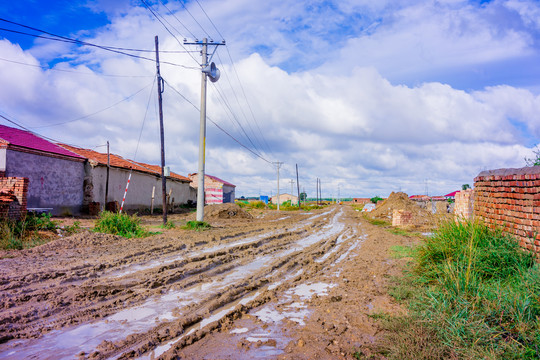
(197, 225)
(120, 224)
(472, 293)
(27, 232)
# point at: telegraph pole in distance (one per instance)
(298, 186)
(160, 99)
(278, 165)
(292, 187)
(208, 70)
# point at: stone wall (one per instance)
(510, 199)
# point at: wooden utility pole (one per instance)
(160, 99)
(107, 182)
(278, 165)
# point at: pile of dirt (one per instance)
(226, 211)
(401, 201)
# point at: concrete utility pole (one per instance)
(278, 165)
(292, 187)
(160, 98)
(212, 72)
(108, 169)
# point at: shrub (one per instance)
(19, 234)
(120, 224)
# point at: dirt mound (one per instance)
(401, 201)
(226, 211)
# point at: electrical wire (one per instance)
(95, 113)
(84, 43)
(204, 31)
(173, 15)
(75, 72)
(211, 22)
(219, 127)
(166, 28)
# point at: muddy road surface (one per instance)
(298, 285)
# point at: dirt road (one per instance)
(282, 285)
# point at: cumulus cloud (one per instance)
(344, 117)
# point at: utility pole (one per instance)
(212, 72)
(278, 165)
(162, 134)
(292, 184)
(107, 182)
(298, 186)
(338, 194)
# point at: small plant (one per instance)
(168, 225)
(196, 225)
(120, 224)
(73, 229)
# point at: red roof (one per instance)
(216, 179)
(120, 162)
(452, 194)
(25, 139)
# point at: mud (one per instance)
(264, 284)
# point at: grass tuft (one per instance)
(197, 225)
(32, 230)
(120, 224)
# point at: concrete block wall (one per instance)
(15, 188)
(510, 199)
(464, 204)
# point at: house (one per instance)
(361, 201)
(145, 182)
(285, 197)
(451, 196)
(216, 191)
(55, 175)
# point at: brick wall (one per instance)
(401, 218)
(464, 204)
(510, 199)
(14, 191)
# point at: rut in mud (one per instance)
(241, 290)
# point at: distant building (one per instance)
(361, 201)
(285, 197)
(216, 191)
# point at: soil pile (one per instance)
(401, 201)
(226, 211)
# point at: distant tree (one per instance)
(303, 196)
(375, 199)
(465, 186)
(534, 161)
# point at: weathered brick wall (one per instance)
(510, 198)
(401, 218)
(14, 191)
(464, 204)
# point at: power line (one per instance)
(181, 23)
(166, 28)
(211, 22)
(219, 127)
(73, 71)
(83, 43)
(204, 31)
(95, 113)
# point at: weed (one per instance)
(473, 293)
(120, 224)
(377, 222)
(25, 233)
(73, 229)
(168, 225)
(197, 225)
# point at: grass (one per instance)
(197, 225)
(472, 293)
(32, 230)
(120, 224)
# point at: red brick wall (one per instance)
(464, 204)
(510, 199)
(18, 188)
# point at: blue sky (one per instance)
(371, 97)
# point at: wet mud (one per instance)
(275, 285)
